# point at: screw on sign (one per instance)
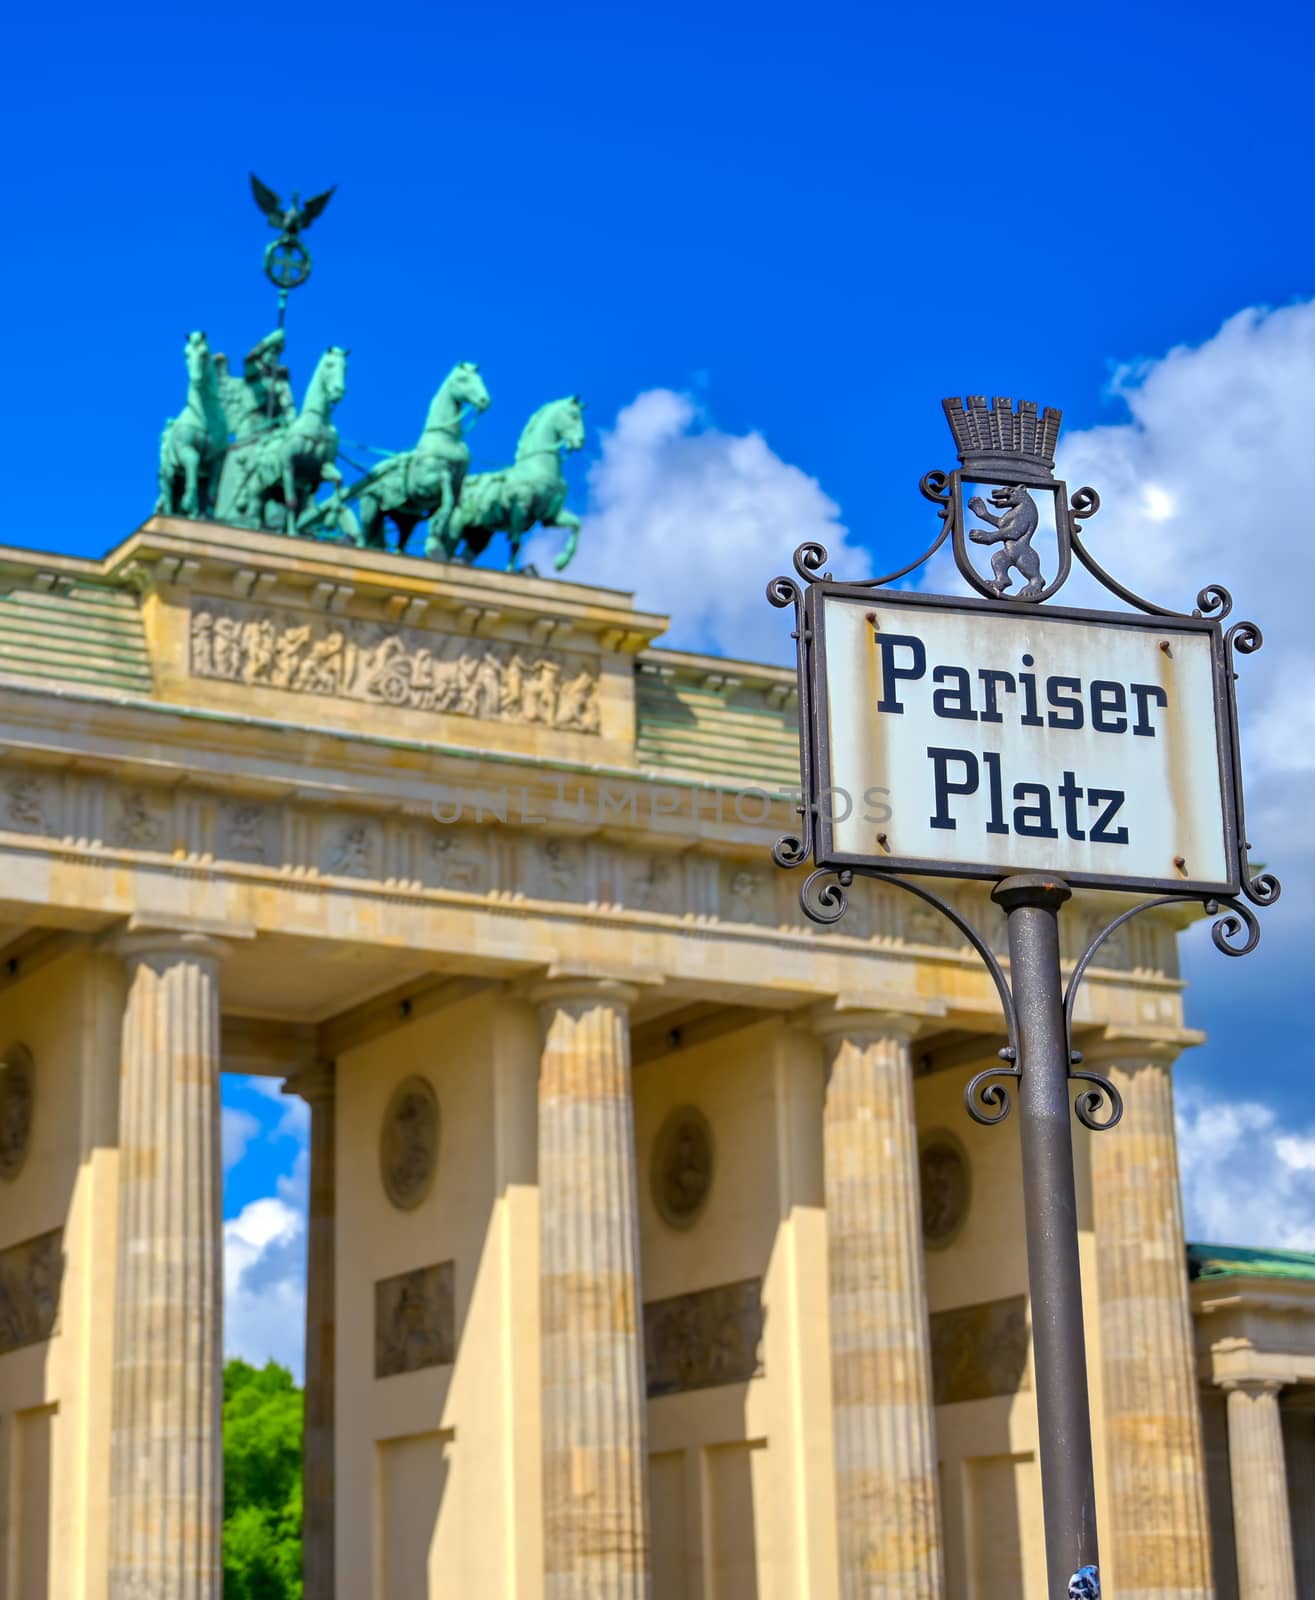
(1038, 748)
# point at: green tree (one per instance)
(262, 1483)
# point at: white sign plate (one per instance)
(979, 739)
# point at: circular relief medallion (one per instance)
(681, 1169)
(946, 1186)
(408, 1143)
(17, 1093)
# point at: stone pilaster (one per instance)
(166, 1495)
(1261, 1524)
(596, 1542)
(885, 1447)
(316, 1085)
(1299, 1451)
(1155, 1533)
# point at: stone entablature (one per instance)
(1256, 1325)
(457, 739)
(509, 845)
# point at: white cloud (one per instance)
(294, 1186)
(1298, 1155)
(265, 1283)
(294, 1123)
(237, 1130)
(1211, 480)
(696, 521)
(1245, 1180)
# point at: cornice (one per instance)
(235, 563)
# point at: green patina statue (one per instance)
(425, 482)
(240, 452)
(281, 463)
(262, 395)
(256, 405)
(513, 500)
(195, 442)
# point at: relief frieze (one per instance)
(415, 1320)
(704, 1339)
(383, 664)
(979, 1352)
(30, 1276)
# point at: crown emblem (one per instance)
(995, 441)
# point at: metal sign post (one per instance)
(1039, 749)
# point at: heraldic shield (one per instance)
(1009, 516)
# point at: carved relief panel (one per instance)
(17, 1099)
(554, 868)
(408, 1143)
(27, 804)
(415, 1320)
(459, 859)
(248, 831)
(351, 847)
(704, 1339)
(980, 1351)
(946, 1187)
(682, 1167)
(30, 1277)
(381, 664)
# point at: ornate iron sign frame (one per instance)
(1008, 448)
(1012, 452)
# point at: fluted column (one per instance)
(316, 1085)
(594, 1403)
(885, 1447)
(1156, 1524)
(166, 1495)
(1262, 1527)
(1299, 1449)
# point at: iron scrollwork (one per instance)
(1011, 452)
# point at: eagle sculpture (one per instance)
(289, 220)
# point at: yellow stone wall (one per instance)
(741, 1486)
(54, 1395)
(437, 1469)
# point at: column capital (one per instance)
(1256, 1385)
(869, 1018)
(561, 985)
(315, 1083)
(135, 944)
(1122, 1047)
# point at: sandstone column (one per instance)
(316, 1086)
(885, 1447)
(1262, 1527)
(594, 1402)
(1155, 1534)
(1299, 1446)
(166, 1495)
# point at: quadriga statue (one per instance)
(424, 483)
(195, 442)
(280, 466)
(531, 490)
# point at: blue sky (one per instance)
(762, 243)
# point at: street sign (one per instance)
(977, 738)
(1039, 747)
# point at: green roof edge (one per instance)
(1239, 1261)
